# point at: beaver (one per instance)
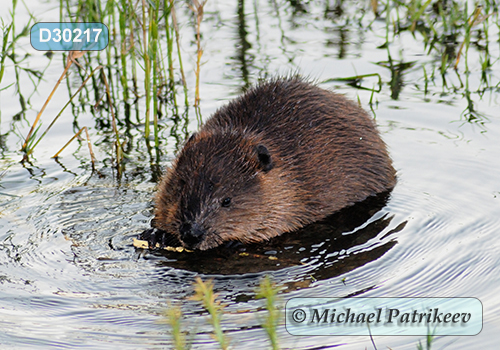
(285, 154)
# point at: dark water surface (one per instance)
(70, 277)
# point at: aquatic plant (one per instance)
(269, 291)
(204, 293)
(145, 69)
(174, 316)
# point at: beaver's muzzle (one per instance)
(191, 233)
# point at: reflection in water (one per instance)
(470, 113)
(242, 45)
(328, 248)
(333, 8)
(297, 6)
(342, 42)
(397, 71)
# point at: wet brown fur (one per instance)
(324, 153)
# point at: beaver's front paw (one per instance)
(158, 239)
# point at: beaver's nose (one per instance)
(191, 233)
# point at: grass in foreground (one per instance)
(266, 290)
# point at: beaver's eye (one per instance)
(226, 202)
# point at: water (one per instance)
(70, 277)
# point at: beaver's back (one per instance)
(325, 145)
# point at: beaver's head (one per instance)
(222, 187)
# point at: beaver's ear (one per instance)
(264, 158)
